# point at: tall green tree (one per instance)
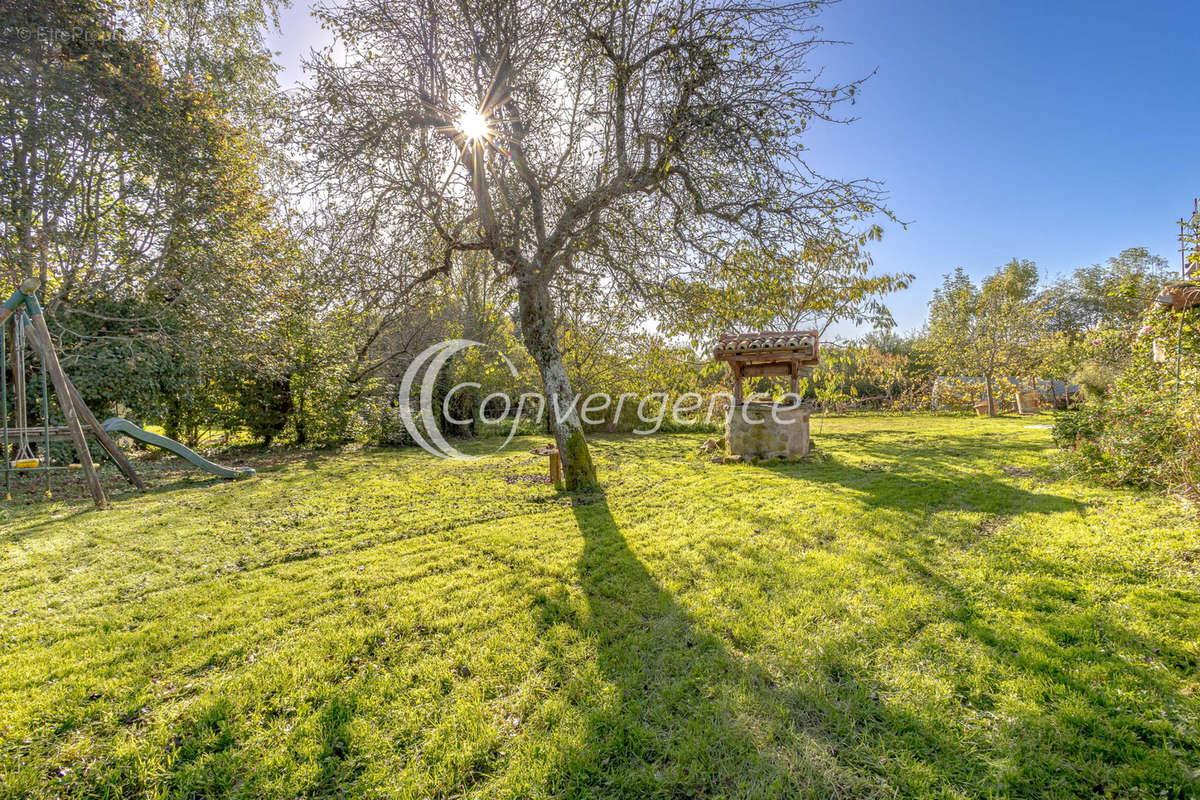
(218, 46)
(1110, 295)
(138, 199)
(80, 106)
(990, 330)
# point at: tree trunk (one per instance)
(991, 397)
(23, 205)
(537, 329)
(301, 421)
(172, 422)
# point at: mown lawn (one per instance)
(923, 612)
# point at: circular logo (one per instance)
(428, 363)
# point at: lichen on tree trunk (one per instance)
(538, 331)
(576, 452)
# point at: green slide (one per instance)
(116, 425)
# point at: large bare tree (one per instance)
(635, 139)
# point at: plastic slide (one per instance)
(116, 425)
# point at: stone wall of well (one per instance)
(759, 430)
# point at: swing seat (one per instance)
(80, 466)
(26, 463)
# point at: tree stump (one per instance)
(555, 461)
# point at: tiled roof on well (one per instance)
(784, 342)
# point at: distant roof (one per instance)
(1179, 296)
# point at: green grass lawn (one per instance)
(924, 611)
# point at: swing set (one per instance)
(27, 447)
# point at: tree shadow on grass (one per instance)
(1101, 712)
(910, 478)
(689, 716)
(673, 729)
(1108, 718)
(692, 718)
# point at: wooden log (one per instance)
(765, 356)
(50, 361)
(57, 432)
(92, 423)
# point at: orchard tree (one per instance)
(989, 330)
(1109, 295)
(812, 287)
(636, 143)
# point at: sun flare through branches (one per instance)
(473, 125)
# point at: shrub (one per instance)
(257, 403)
(1095, 378)
(378, 422)
(1143, 429)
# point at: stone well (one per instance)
(759, 430)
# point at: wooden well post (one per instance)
(791, 354)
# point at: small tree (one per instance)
(990, 329)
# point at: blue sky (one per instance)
(1061, 131)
